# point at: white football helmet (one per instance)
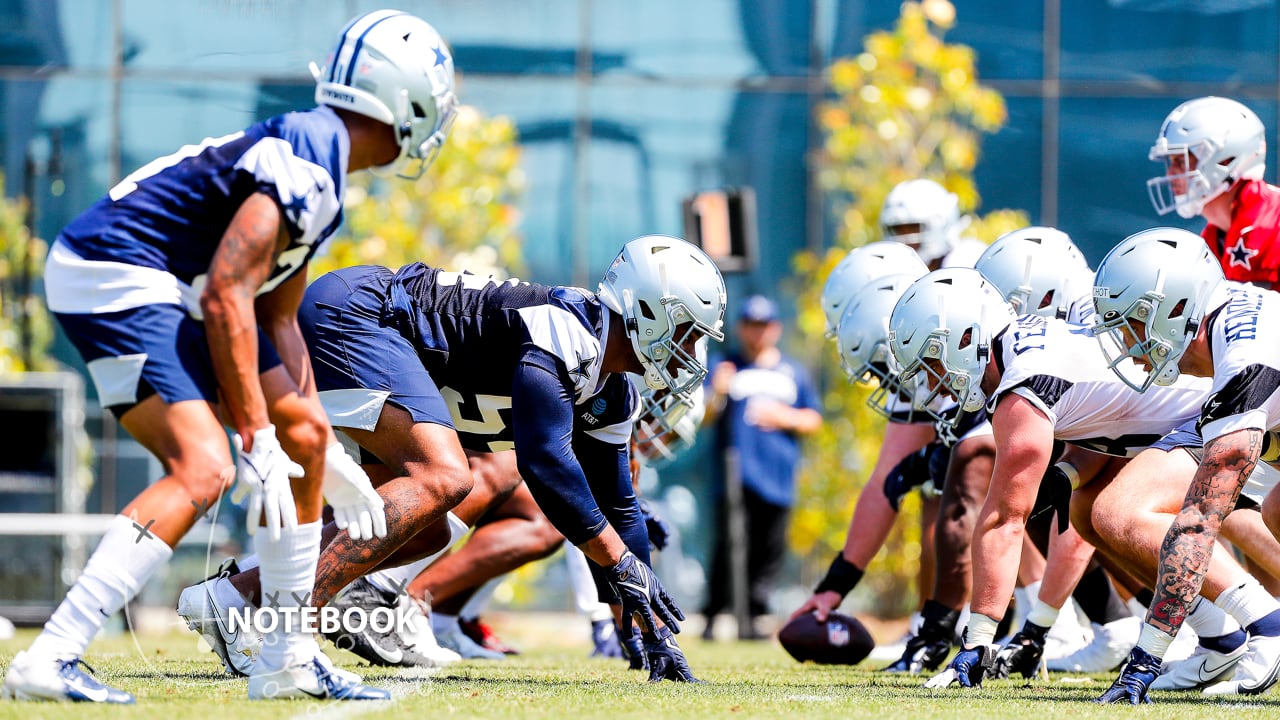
(1228, 143)
(861, 266)
(672, 299)
(942, 328)
(394, 68)
(1038, 270)
(1151, 293)
(922, 214)
(863, 341)
(668, 423)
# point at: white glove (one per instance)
(357, 507)
(263, 475)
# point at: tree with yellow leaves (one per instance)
(26, 331)
(909, 106)
(461, 214)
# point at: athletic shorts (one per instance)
(1187, 437)
(153, 349)
(361, 360)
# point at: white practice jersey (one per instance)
(1244, 338)
(965, 253)
(1062, 370)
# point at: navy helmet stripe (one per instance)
(337, 51)
(355, 52)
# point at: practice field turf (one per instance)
(175, 680)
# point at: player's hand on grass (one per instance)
(666, 659)
(357, 507)
(642, 594)
(968, 668)
(262, 475)
(1022, 653)
(1139, 671)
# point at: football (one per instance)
(841, 640)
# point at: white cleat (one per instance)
(1255, 672)
(199, 606)
(1203, 667)
(1110, 647)
(452, 638)
(314, 678)
(1067, 635)
(422, 638)
(31, 677)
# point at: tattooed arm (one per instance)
(244, 260)
(1184, 555)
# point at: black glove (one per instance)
(1054, 497)
(1022, 653)
(659, 530)
(969, 667)
(642, 594)
(666, 659)
(633, 650)
(911, 472)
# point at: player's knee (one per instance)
(305, 437)
(453, 483)
(206, 469)
(1271, 512)
(544, 536)
(1082, 519)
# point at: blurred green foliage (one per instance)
(461, 214)
(26, 330)
(909, 106)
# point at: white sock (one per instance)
(479, 600)
(125, 559)
(1154, 641)
(1209, 620)
(288, 577)
(1043, 614)
(585, 596)
(1247, 602)
(396, 579)
(250, 562)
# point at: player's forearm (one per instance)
(997, 545)
(1188, 546)
(1068, 558)
(233, 348)
(605, 549)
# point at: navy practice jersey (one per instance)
(1243, 336)
(170, 214)
(519, 366)
(1062, 370)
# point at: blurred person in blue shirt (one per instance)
(761, 402)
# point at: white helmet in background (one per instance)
(1228, 142)
(924, 215)
(672, 299)
(396, 69)
(863, 341)
(942, 328)
(1038, 270)
(1151, 293)
(668, 423)
(861, 266)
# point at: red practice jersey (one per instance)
(1250, 249)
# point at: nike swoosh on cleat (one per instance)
(393, 656)
(1209, 674)
(92, 694)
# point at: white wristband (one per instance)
(1072, 474)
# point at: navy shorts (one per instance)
(1185, 436)
(154, 349)
(355, 347)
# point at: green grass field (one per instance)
(175, 680)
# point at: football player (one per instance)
(1214, 152)
(1045, 379)
(1162, 301)
(180, 290)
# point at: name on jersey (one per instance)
(1241, 319)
